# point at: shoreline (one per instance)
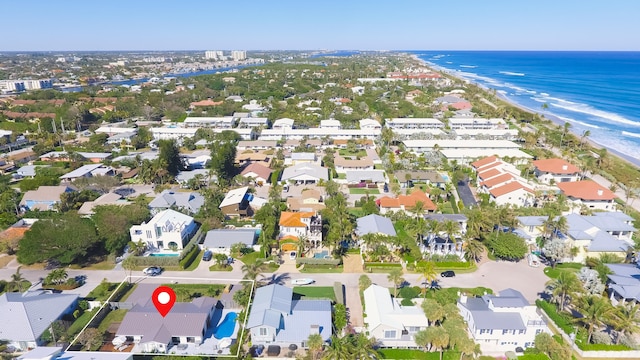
(553, 118)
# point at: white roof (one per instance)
(381, 309)
(330, 123)
(81, 171)
(490, 132)
(417, 131)
(462, 144)
(480, 153)
(369, 122)
(197, 120)
(283, 122)
(174, 130)
(234, 196)
(171, 217)
(415, 121)
(476, 121)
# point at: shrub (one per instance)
(407, 302)
(189, 257)
(627, 340)
(313, 261)
(338, 292)
(409, 292)
(561, 320)
(601, 337)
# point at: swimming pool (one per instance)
(226, 327)
(321, 255)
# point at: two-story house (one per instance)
(166, 230)
(501, 322)
(555, 171)
(588, 193)
(236, 202)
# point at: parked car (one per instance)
(207, 255)
(448, 273)
(292, 255)
(152, 271)
(303, 281)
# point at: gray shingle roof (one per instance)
(225, 238)
(356, 176)
(305, 170)
(374, 224)
(190, 201)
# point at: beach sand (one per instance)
(633, 161)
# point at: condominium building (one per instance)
(238, 55)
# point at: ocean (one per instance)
(595, 91)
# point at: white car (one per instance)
(292, 255)
(152, 271)
(304, 281)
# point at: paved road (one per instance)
(495, 275)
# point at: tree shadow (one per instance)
(275, 278)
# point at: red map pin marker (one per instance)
(163, 298)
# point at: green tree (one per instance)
(17, 281)
(364, 282)
(113, 223)
(595, 310)
(315, 343)
(473, 250)
(339, 317)
(251, 271)
(169, 157)
(56, 277)
(395, 277)
(340, 348)
(626, 319)
(433, 311)
(566, 285)
(507, 246)
(223, 157)
(91, 338)
(66, 238)
(427, 271)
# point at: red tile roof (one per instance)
(556, 166)
(293, 219)
(497, 180)
(208, 102)
(409, 201)
(486, 175)
(508, 188)
(485, 161)
(586, 190)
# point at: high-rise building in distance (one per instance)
(238, 55)
(213, 55)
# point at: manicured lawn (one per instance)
(359, 153)
(185, 292)
(554, 273)
(102, 265)
(402, 354)
(314, 292)
(80, 322)
(216, 267)
(363, 191)
(251, 258)
(113, 316)
(315, 269)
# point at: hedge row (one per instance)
(190, 256)
(382, 265)
(313, 261)
(562, 321)
(162, 261)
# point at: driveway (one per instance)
(465, 194)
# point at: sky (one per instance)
(85, 25)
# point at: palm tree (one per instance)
(433, 311)
(468, 347)
(137, 248)
(17, 281)
(585, 135)
(595, 311)
(450, 228)
(625, 319)
(565, 130)
(363, 348)
(423, 339)
(57, 276)
(439, 338)
(339, 349)
(395, 277)
(314, 343)
(427, 272)
(566, 285)
(251, 271)
(473, 250)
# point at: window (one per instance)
(148, 234)
(504, 332)
(483, 331)
(538, 331)
(521, 332)
(263, 331)
(138, 232)
(414, 329)
(389, 334)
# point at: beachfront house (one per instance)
(555, 171)
(589, 194)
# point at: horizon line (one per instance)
(322, 50)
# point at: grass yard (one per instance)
(185, 292)
(216, 267)
(316, 269)
(102, 265)
(252, 257)
(402, 354)
(113, 316)
(359, 153)
(568, 267)
(80, 322)
(195, 262)
(363, 191)
(314, 292)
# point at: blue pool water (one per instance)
(226, 327)
(164, 254)
(321, 255)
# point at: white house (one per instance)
(307, 225)
(89, 170)
(305, 173)
(502, 322)
(476, 123)
(370, 124)
(330, 124)
(413, 123)
(513, 193)
(225, 122)
(284, 123)
(165, 230)
(588, 193)
(555, 170)
(389, 322)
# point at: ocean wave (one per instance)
(631, 134)
(511, 73)
(586, 109)
(540, 100)
(544, 94)
(578, 122)
(468, 66)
